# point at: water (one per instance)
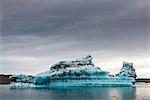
(140, 92)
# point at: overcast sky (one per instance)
(38, 33)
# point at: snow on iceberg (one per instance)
(79, 72)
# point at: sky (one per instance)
(36, 34)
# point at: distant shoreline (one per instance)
(4, 79)
(146, 80)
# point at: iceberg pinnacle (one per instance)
(127, 70)
(87, 60)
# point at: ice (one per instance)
(87, 60)
(79, 68)
(127, 70)
(78, 72)
(19, 78)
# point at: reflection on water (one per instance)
(76, 93)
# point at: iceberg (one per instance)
(127, 70)
(78, 72)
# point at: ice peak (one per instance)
(127, 70)
(127, 64)
(87, 60)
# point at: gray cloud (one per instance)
(54, 30)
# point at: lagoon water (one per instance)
(140, 92)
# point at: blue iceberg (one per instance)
(79, 72)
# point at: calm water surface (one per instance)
(140, 92)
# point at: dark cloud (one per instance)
(63, 17)
(67, 28)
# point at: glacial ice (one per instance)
(19, 78)
(79, 72)
(127, 70)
